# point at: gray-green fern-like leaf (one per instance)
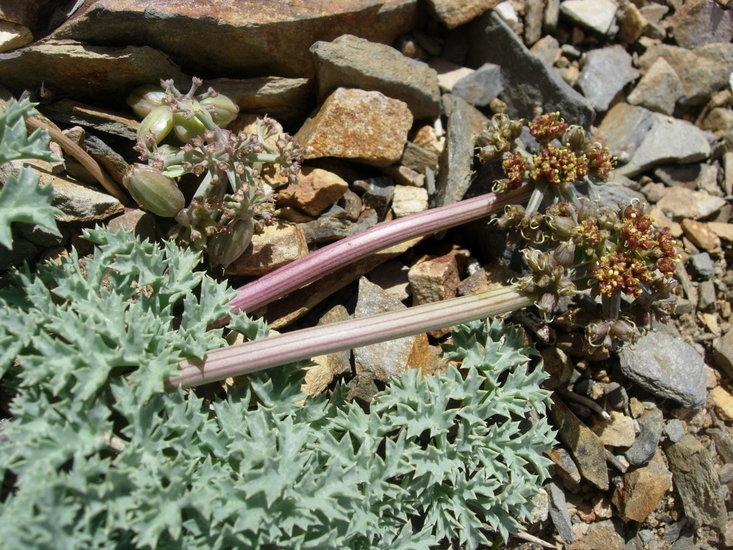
(97, 455)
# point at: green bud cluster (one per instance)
(185, 134)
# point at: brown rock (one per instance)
(85, 71)
(272, 247)
(364, 126)
(81, 203)
(632, 23)
(141, 223)
(434, 279)
(722, 230)
(23, 12)
(564, 465)
(14, 36)
(701, 235)
(722, 402)
(679, 202)
(642, 490)
(315, 190)
(454, 13)
(392, 277)
(239, 36)
(699, 22)
(616, 432)
(585, 446)
(600, 535)
(558, 365)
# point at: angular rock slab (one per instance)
(697, 482)
(84, 71)
(645, 139)
(454, 13)
(353, 62)
(353, 124)
(527, 80)
(605, 73)
(239, 37)
(666, 367)
(595, 15)
(699, 22)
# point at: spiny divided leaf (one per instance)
(97, 455)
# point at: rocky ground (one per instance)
(387, 96)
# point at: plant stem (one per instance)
(334, 256)
(306, 343)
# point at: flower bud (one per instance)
(187, 128)
(564, 254)
(228, 245)
(144, 99)
(225, 110)
(159, 122)
(153, 191)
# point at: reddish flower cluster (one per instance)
(558, 166)
(619, 271)
(547, 127)
(515, 167)
(600, 161)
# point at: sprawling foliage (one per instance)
(95, 454)
(22, 199)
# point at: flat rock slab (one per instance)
(84, 71)
(354, 62)
(605, 72)
(594, 15)
(528, 82)
(697, 482)
(666, 367)
(645, 139)
(251, 37)
(454, 13)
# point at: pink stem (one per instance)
(319, 340)
(312, 267)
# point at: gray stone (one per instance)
(707, 298)
(666, 367)
(684, 175)
(699, 22)
(454, 176)
(546, 49)
(659, 89)
(357, 63)
(388, 359)
(702, 264)
(646, 139)
(419, 158)
(331, 228)
(723, 438)
(481, 86)
(674, 429)
(605, 73)
(238, 37)
(723, 352)
(697, 482)
(701, 71)
(645, 445)
(378, 193)
(680, 202)
(287, 100)
(559, 512)
(527, 80)
(533, 13)
(611, 193)
(44, 237)
(595, 15)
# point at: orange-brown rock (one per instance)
(355, 124)
(643, 489)
(315, 190)
(273, 247)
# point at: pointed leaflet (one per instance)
(23, 200)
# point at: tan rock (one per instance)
(434, 279)
(327, 367)
(449, 73)
(701, 235)
(354, 124)
(660, 219)
(632, 23)
(585, 446)
(680, 202)
(315, 190)
(81, 203)
(642, 490)
(409, 200)
(454, 13)
(722, 230)
(14, 36)
(272, 247)
(722, 402)
(616, 432)
(659, 89)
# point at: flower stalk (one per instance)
(249, 357)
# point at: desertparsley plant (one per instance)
(94, 454)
